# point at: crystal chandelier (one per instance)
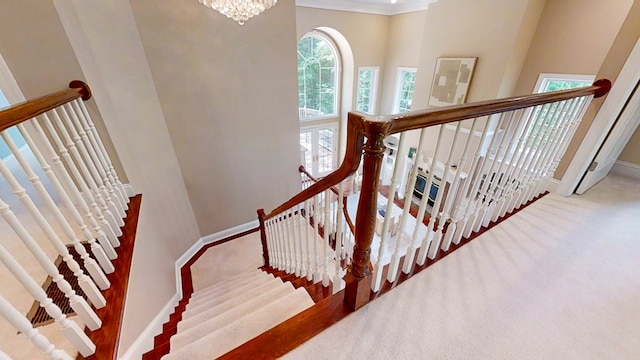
(239, 10)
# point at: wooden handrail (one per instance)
(347, 217)
(16, 114)
(424, 118)
(349, 166)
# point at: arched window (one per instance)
(317, 77)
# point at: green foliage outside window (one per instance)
(316, 77)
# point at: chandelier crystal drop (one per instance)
(239, 10)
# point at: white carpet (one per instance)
(559, 280)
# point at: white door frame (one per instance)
(604, 120)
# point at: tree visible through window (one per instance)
(317, 70)
(404, 90)
(367, 84)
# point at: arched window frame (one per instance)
(304, 114)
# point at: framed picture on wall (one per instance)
(451, 81)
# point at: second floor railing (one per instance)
(455, 170)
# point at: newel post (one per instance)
(358, 278)
(263, 237)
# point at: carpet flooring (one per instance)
(559, 280)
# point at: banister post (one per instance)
(358, 278)
(263, 237)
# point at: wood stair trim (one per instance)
(107, 337)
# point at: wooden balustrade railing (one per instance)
(60, 138)
(336, 191)
(540, 110)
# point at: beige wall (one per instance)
(619, 49)
(573, 37)
(489, 30)
(229, 97)
(497, 32)
(403, 50)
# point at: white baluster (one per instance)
(394, 265)
(378, 267)
(96, 202)
(486, 177)
(326, 229)
(89, 143)
(556, 129)
(423, 247)
(63, 174)
(576, 118)
(96, 249)
(86, 123)
(509, 165)
(15, 318)
(275, 261)
(492, 177)
(285, 246)
(78, 304)
(468, 204)
(308, 238)
(111, 169)
(452, 193)
(293, 221)
(79, 151)
(300, 220)
(337, 277)
(316, 255)
(498, 176)
(532, 117)
(452, 206)
(70, 329)
(84, 281)
(535, 150)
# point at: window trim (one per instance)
(373, 91)
(545, 78)
(398, 88)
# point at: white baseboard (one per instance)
(553, 185)
(206, 240)
(144, 342)
(626, 169)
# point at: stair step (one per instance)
(230, 304)
(205, 304)
(245, 328)
(201, 327)
(228, 292)
(228, 284)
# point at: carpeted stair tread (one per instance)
(228, 284)
(206, 326)
(243, 329)
(209, 313)
(205, 304)
(227, 293)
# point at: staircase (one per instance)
(227, 314)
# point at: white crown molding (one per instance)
(369, 8)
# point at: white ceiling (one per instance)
(382, 7)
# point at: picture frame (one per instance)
(451, 79)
